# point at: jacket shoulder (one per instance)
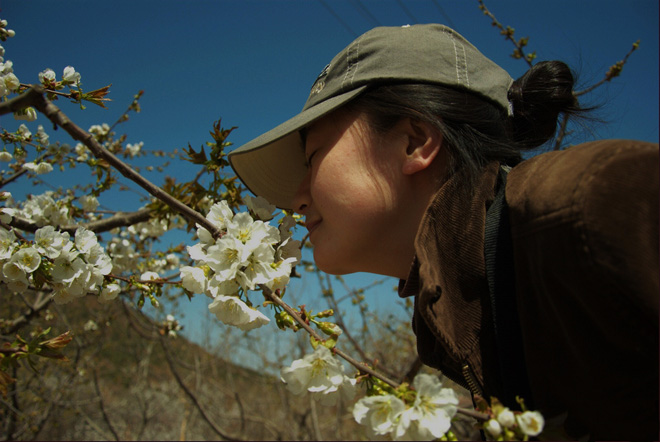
(549, 184)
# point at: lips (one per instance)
(312, 225)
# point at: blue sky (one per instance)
(252, 62)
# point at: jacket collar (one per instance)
(448, 275)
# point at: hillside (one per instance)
(120, 384)
(126, 379)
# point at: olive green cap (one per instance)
(273, 165)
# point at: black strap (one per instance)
(500, 271)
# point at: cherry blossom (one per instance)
(321, 374)
(233, 311)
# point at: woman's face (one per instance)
(352, 196)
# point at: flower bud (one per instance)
(506, 418)
(284, 320)
(329, 328)
(493, 427)
(326, 313)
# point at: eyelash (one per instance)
(308, 161)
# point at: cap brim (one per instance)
(273, 165)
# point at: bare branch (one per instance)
(508, 32)
(102, 405)
(613, 72)
(40, 303)
(191, 395)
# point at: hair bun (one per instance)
(537, 98)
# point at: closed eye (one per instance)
(308, 161)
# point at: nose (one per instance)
(303, 198)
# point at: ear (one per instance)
(424, 143)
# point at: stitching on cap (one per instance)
(351, 68)
(461, 61)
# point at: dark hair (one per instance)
(475, 130)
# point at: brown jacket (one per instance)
(584, 223)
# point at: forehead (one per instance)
(331, 128)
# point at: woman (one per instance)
(536, 278)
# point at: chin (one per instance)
(331, 266)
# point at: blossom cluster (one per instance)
(45, 209)
(72, 268)
(427, 417)
(8, 81)
(506, 424)
(247, 253)
(422, 413)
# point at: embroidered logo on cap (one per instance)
(319, 83)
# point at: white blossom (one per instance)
(252, 233)
(193, 279)
(50, 242)
(46, 77)
(506, 418)
(233, 311)
(99, 131)
(89, 203)
(319, 373)
(218, 286)
(258, 269)
(42, 136)
(378, 413)
(6, 156)
(70, 76)
(531, 422)
(219, 215)
(109, 292)
(39, 169)
(7, 243)
(123, 254)
(67, 267)
(23, 134)
(149, 276)
(11, 82)
(493, 427)
(225, 257)
(430, 416)
(11, 271)
(85, 240)
(82, 151)
(27, 114)
(260, 207)
(27, 259)
(134, 149)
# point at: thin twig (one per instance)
(191, 395)
(508, 34)
(106, 418)
(612, 72)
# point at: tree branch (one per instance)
(99, 226)
(35, 97)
